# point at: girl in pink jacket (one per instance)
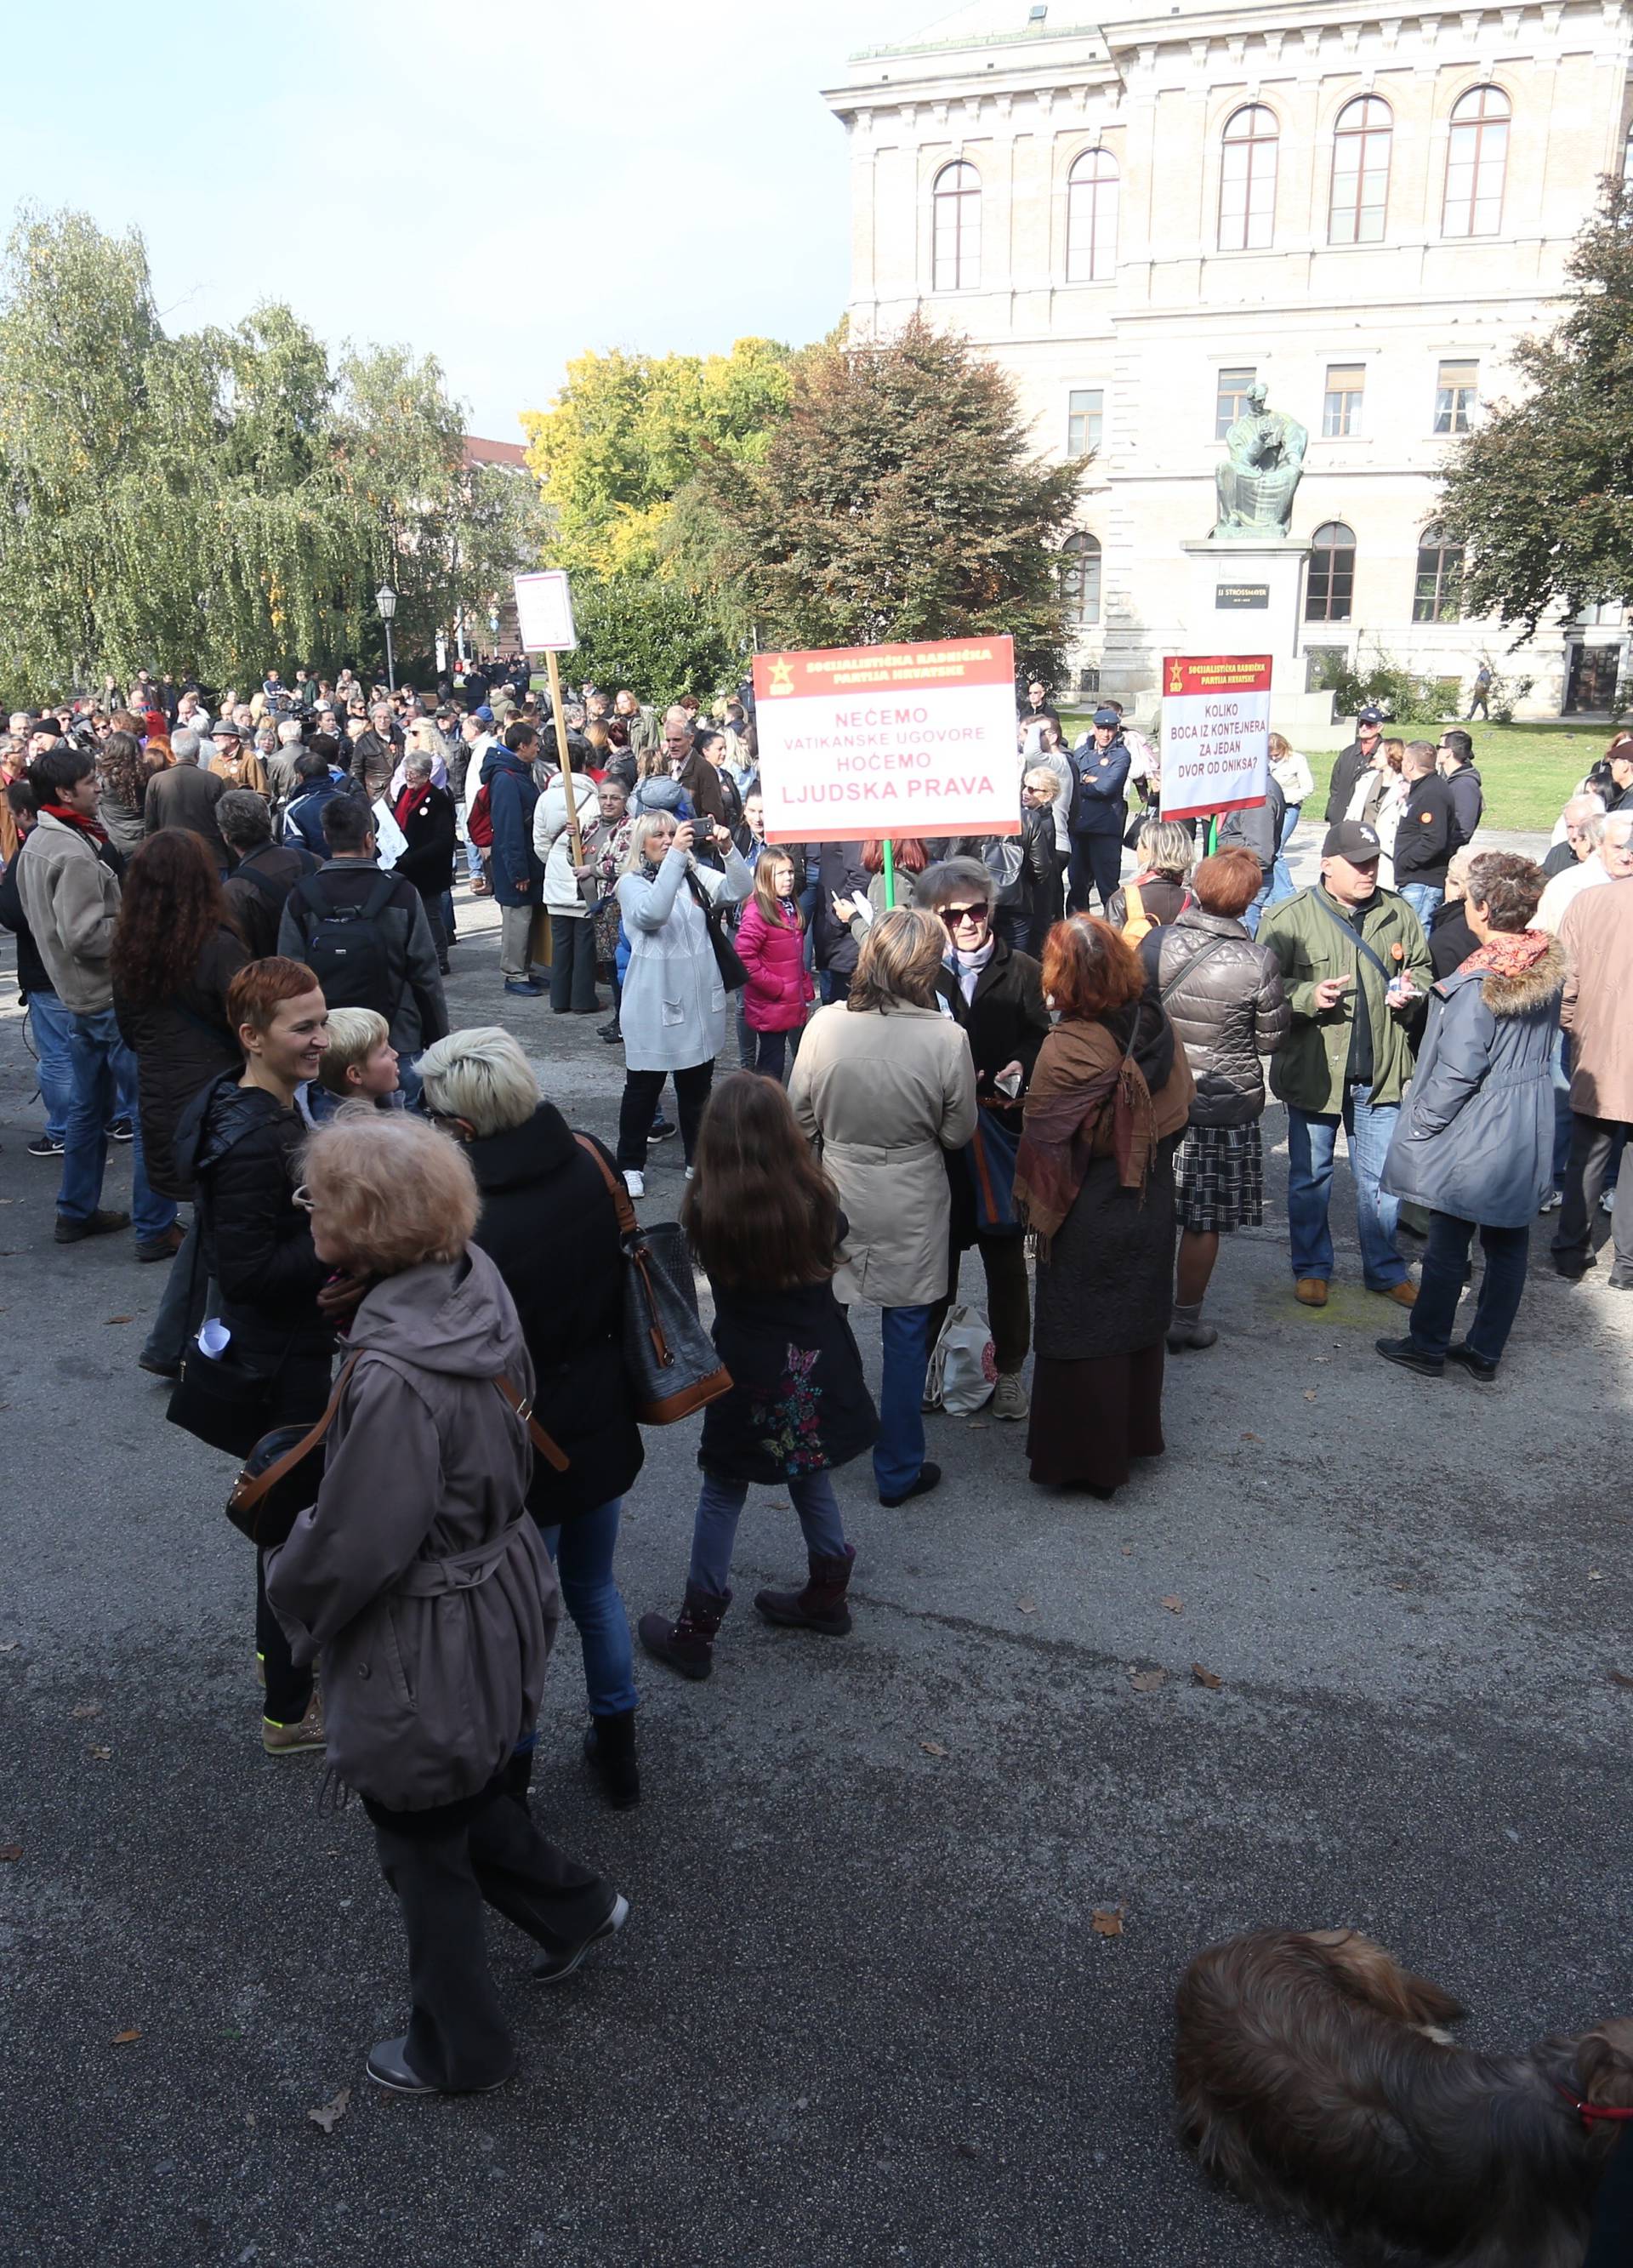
(771, 945)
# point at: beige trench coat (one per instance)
(885, 1095)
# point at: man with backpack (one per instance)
(364, 934)
(264, 871)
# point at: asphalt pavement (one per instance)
(861, 2012)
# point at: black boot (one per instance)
(609, 1752)
(820, 1606)
(686, 1644)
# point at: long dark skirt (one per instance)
(1091, 1416)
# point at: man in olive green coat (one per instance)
(1355, 965)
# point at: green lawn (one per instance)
(1527, 770)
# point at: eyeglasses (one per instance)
(304, 1198)
(953, 916)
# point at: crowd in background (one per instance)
(234, 918)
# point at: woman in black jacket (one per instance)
(550, 1223)
(1223, 994)
(240, 1140)
(425, 814)
(996, 994)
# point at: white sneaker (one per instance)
(1552, 1202)
(691, 1173)
(635, 1183)
(1607, 1201)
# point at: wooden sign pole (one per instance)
(563, 757)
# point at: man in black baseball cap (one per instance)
(1353, 761)
(1355, 964)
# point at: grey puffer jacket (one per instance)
(417, 1574)
(1475, 1134)
(1224, 996)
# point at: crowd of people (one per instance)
(233, 922)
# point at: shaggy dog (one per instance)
(1313, 2075)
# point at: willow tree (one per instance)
(222, 501)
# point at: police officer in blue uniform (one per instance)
(1098, 811)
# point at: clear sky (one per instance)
(500, 183)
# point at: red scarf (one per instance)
(409, 801)
(93, 828)
(1511, 952)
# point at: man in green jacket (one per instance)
(1355, 965)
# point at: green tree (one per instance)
(899, 499)
(655, 636)
(1541, 493)
(627, 433)
(220, 501)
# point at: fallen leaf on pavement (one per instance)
(1147, 1680)
(976, 1425)
(1617, 1677)
(123, 2039)
(1106, 1921)
(86, 1709)
(102, 1754)
(1127, 1551)
(1206, 1677)
(122, 1319)
(1252, 1436)
(1595, 1576)
(1027, 1606)
(331, 2112)
(1309, 1394)
(10, 1646)
(932, 1747)
(1175, 1606)
(10, 1850)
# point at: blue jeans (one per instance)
(1564, 1118)
(51, 1024)
(582, 1552)
(1425, 899)
(1445, 1256)
(473, 856)
(103, 1064)
(899, 1452)
(1254, 913)
(1312, 1138)
(720, 1506)
(1282, 883)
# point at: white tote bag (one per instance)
(963, 1370)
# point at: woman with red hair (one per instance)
(1105, 1111)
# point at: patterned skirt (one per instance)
(1219, 1178)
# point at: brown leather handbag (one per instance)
(671, 1363)
(283, 1471)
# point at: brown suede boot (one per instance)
(686, 1644)
(820, 1606)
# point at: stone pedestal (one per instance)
(1244, 594)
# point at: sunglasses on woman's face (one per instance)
(954, 915)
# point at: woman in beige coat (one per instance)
(884, 1082)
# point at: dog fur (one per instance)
(1312, 2076)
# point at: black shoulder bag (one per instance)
(733, 975)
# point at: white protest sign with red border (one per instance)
(1216, 733)
(862, 743)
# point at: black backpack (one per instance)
(349, 952)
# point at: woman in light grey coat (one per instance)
(422, 1582)
(1475, 1140)
(672, 1010)
(885, 1082)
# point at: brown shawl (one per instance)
(1083, 1086)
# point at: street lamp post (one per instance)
(385, 600)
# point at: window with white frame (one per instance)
(1476, 163)
(1361, 137)
(1081, 580)
(1457, 394)
(1341, 406)
(1085, 418)
(1247, 180)
(955, 208)
(1092, 190)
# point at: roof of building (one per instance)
(495, 452)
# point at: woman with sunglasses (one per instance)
(995, 995)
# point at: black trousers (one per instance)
(300, 1391)
(1009, 1297)
(1593, 1146)
(1096, 862)
(572, 964)
(642, 1090)
(431, 899)
(458, 2036)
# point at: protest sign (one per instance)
(1216, 727)
(544, 613)
(868, 743)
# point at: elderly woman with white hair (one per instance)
(425, 814)
(674, 1005)
(1165, 851)
(549, 1222)
(426, 1591)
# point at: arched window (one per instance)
(1081, 580)
(956, 206)
(1330, 590)
(1247, 180)
(1361, 140)
(1092, 218)
(1438, 596)
(1476, 161)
